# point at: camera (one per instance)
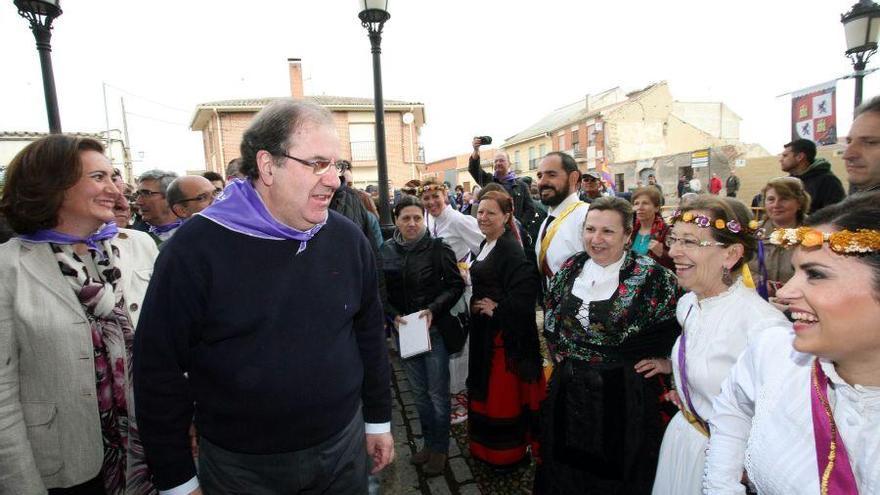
(485, 140)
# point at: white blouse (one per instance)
(718, 329)
(595, 283)
(460, 231)
(763, 421)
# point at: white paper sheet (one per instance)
(414, 336)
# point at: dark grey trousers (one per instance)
(336, 466)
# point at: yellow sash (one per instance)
(696, 423)
(552, 228)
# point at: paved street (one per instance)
(463, 475)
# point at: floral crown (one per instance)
(841, 242)
(705, 222)
(418, 191)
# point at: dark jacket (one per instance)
(346, 202)
(824, 187)
(412, 280)
(732, 185)
(523, 207)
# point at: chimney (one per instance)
(296, 78)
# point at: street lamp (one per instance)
(861, 26)
(373, 15)
(40, 14)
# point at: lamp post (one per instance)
(861, 26)
(40, 14)
(373, 16)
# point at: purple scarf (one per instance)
(240, 209)
(682, 372)
(835, 473)
(168, 227)
(507, 180)
(108, 231)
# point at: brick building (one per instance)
(222, 124)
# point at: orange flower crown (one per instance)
(841, 242)
(704, 222)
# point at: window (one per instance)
(591, 136)
(575, 140)
(516, 160)
(533, 160)
(363, 141)
(561, 142)
(543, 151)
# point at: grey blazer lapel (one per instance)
(39, 262)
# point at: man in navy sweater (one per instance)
(263, 325)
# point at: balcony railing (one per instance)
(363, 151)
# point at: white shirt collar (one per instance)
(558, 209)
(596, 268)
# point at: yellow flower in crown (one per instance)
(687, 216)
(753, 225)
(812, 238)
(719, 224)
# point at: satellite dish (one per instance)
(408, 118)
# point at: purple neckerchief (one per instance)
(835, 472)
(107, 231)
(240, 209)
(682, 371)
(763, 291)
(168, 227)
(508, 179)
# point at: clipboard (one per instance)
(414, 336)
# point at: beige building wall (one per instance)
(713, 117)
(636, 130)
(523, 149)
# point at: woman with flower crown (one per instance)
(710, 245)
(800, 410)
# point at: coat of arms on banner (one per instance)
(813, 114)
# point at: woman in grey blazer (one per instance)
(72, 286)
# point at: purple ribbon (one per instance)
(168, 227)
(835, 474)
(762, 272)
(682, 371)
(107, 231)
(240, 209)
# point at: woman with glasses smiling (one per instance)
(710, 244)
(799, 411)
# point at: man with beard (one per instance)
(560, 233)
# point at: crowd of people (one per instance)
(210, 334)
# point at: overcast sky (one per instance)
(480, 66)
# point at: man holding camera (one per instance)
(523, 207)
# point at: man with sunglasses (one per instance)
(263, 326)
(190, 194)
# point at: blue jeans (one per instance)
(428, 375)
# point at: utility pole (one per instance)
(107, 123)
(126, 149)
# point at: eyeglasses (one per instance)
(145, 193)
(319, 167)
(690, 244)
(201, 197)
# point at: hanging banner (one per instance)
(814, 114)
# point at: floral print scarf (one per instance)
(124, 470)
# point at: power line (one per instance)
(148, 99)
(156, 119)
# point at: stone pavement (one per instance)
(463, 475)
